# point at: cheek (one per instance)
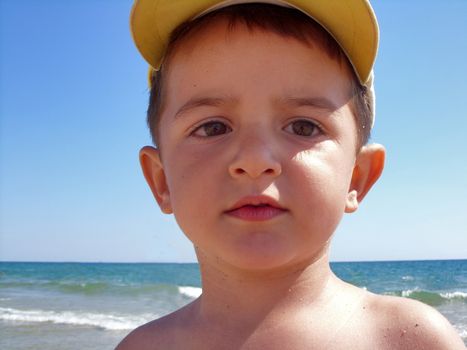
(194, 186)
(324, 171)
(185, 181)
(185, 198)
(324, 182)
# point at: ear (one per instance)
(154, 174)
(368, 168)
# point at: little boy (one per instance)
(261, 118)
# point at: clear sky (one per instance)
(73, 96)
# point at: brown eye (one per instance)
(303, 128)
(212, 128)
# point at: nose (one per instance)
(254, 158)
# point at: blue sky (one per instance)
(73, 97)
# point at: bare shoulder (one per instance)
(409, 324)
(148, 336)
(158, 334)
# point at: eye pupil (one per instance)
(303, 128)
(214, 128)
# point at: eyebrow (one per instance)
(203, 102)
(316, 102)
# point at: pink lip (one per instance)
(256, 208)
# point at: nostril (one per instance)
(268, 171)
(255, 167)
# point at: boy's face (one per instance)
(280, 126)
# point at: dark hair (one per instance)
(284, 21)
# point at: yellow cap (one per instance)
(352, 23)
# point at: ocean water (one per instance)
(93, 306)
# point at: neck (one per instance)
(246, 298)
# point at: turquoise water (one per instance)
(93, 306)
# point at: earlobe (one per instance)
(154, 174)
(368, 168)
(351, 203)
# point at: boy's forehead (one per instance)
(215, 37)
(243, 63)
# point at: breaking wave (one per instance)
(103, 321)
(432, 298)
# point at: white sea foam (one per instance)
(407, 278)
(461, 330)
(104, 321)
(454, 295)
(409, 292)
(191, 292)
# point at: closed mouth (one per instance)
(256, 201)
(256, 208)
